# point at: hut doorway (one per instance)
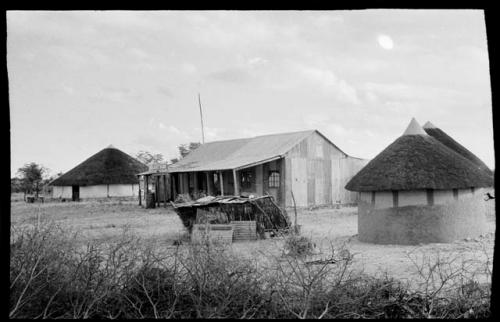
(75, 193)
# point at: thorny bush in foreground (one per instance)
(52, 276)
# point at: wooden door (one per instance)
(273, 184)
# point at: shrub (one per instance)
(296, 245)
(38, 260)
(221, 285)
(151, 292)
(51, 276)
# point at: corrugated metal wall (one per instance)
(343, 170)
(317, 173)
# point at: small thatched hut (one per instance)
(108, 173)
(417, 190)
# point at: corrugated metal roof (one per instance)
(153, 172)
(232, 154)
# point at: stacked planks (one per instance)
(244, 230)
(212, 232)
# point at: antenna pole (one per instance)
(201, 116)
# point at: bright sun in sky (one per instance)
(385, 42)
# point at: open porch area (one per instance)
(257, 180)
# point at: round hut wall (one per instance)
(98, 191)
(421, 216)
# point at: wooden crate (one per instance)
(244, 230)
(214, 232)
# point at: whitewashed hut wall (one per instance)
(62, 192)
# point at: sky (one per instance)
(82, 80)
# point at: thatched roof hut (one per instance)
(447, 140)
(107, 168)
(417, 160)
(418, 190)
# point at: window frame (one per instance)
(272, 180)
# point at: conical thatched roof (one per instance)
(108, 166)
(447, 140)
(418, 161)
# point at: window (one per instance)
(274, 179)
(246, 179)
(216, 178)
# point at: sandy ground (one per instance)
(103, 221)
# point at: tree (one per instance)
(31, 175)
(184, 149)
(174, 160)
(16, 185)
(149, 158)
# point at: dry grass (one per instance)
(105, 220)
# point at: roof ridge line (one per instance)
(258, 136)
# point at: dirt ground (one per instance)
(105, 220)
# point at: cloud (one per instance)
(62, 89)
(408, 94)
(138, 53)
(297, 68)
(314, 120)
(141, 60)
(165, 91)
(328, 82)
(211, 134)
(68, 89)
(232, 75)
(338, 130)
(225, 29)
(149, 142)
(474, 53)
(188, 68)
(222, 133)
(125, 20)
(327, 20)
(244, 71)
(116, 95)
(71, 57)
(144, 66)
(257, 61)
(173, 131)
(30, 57)
(98, 56)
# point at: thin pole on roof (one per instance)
(201, 116)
